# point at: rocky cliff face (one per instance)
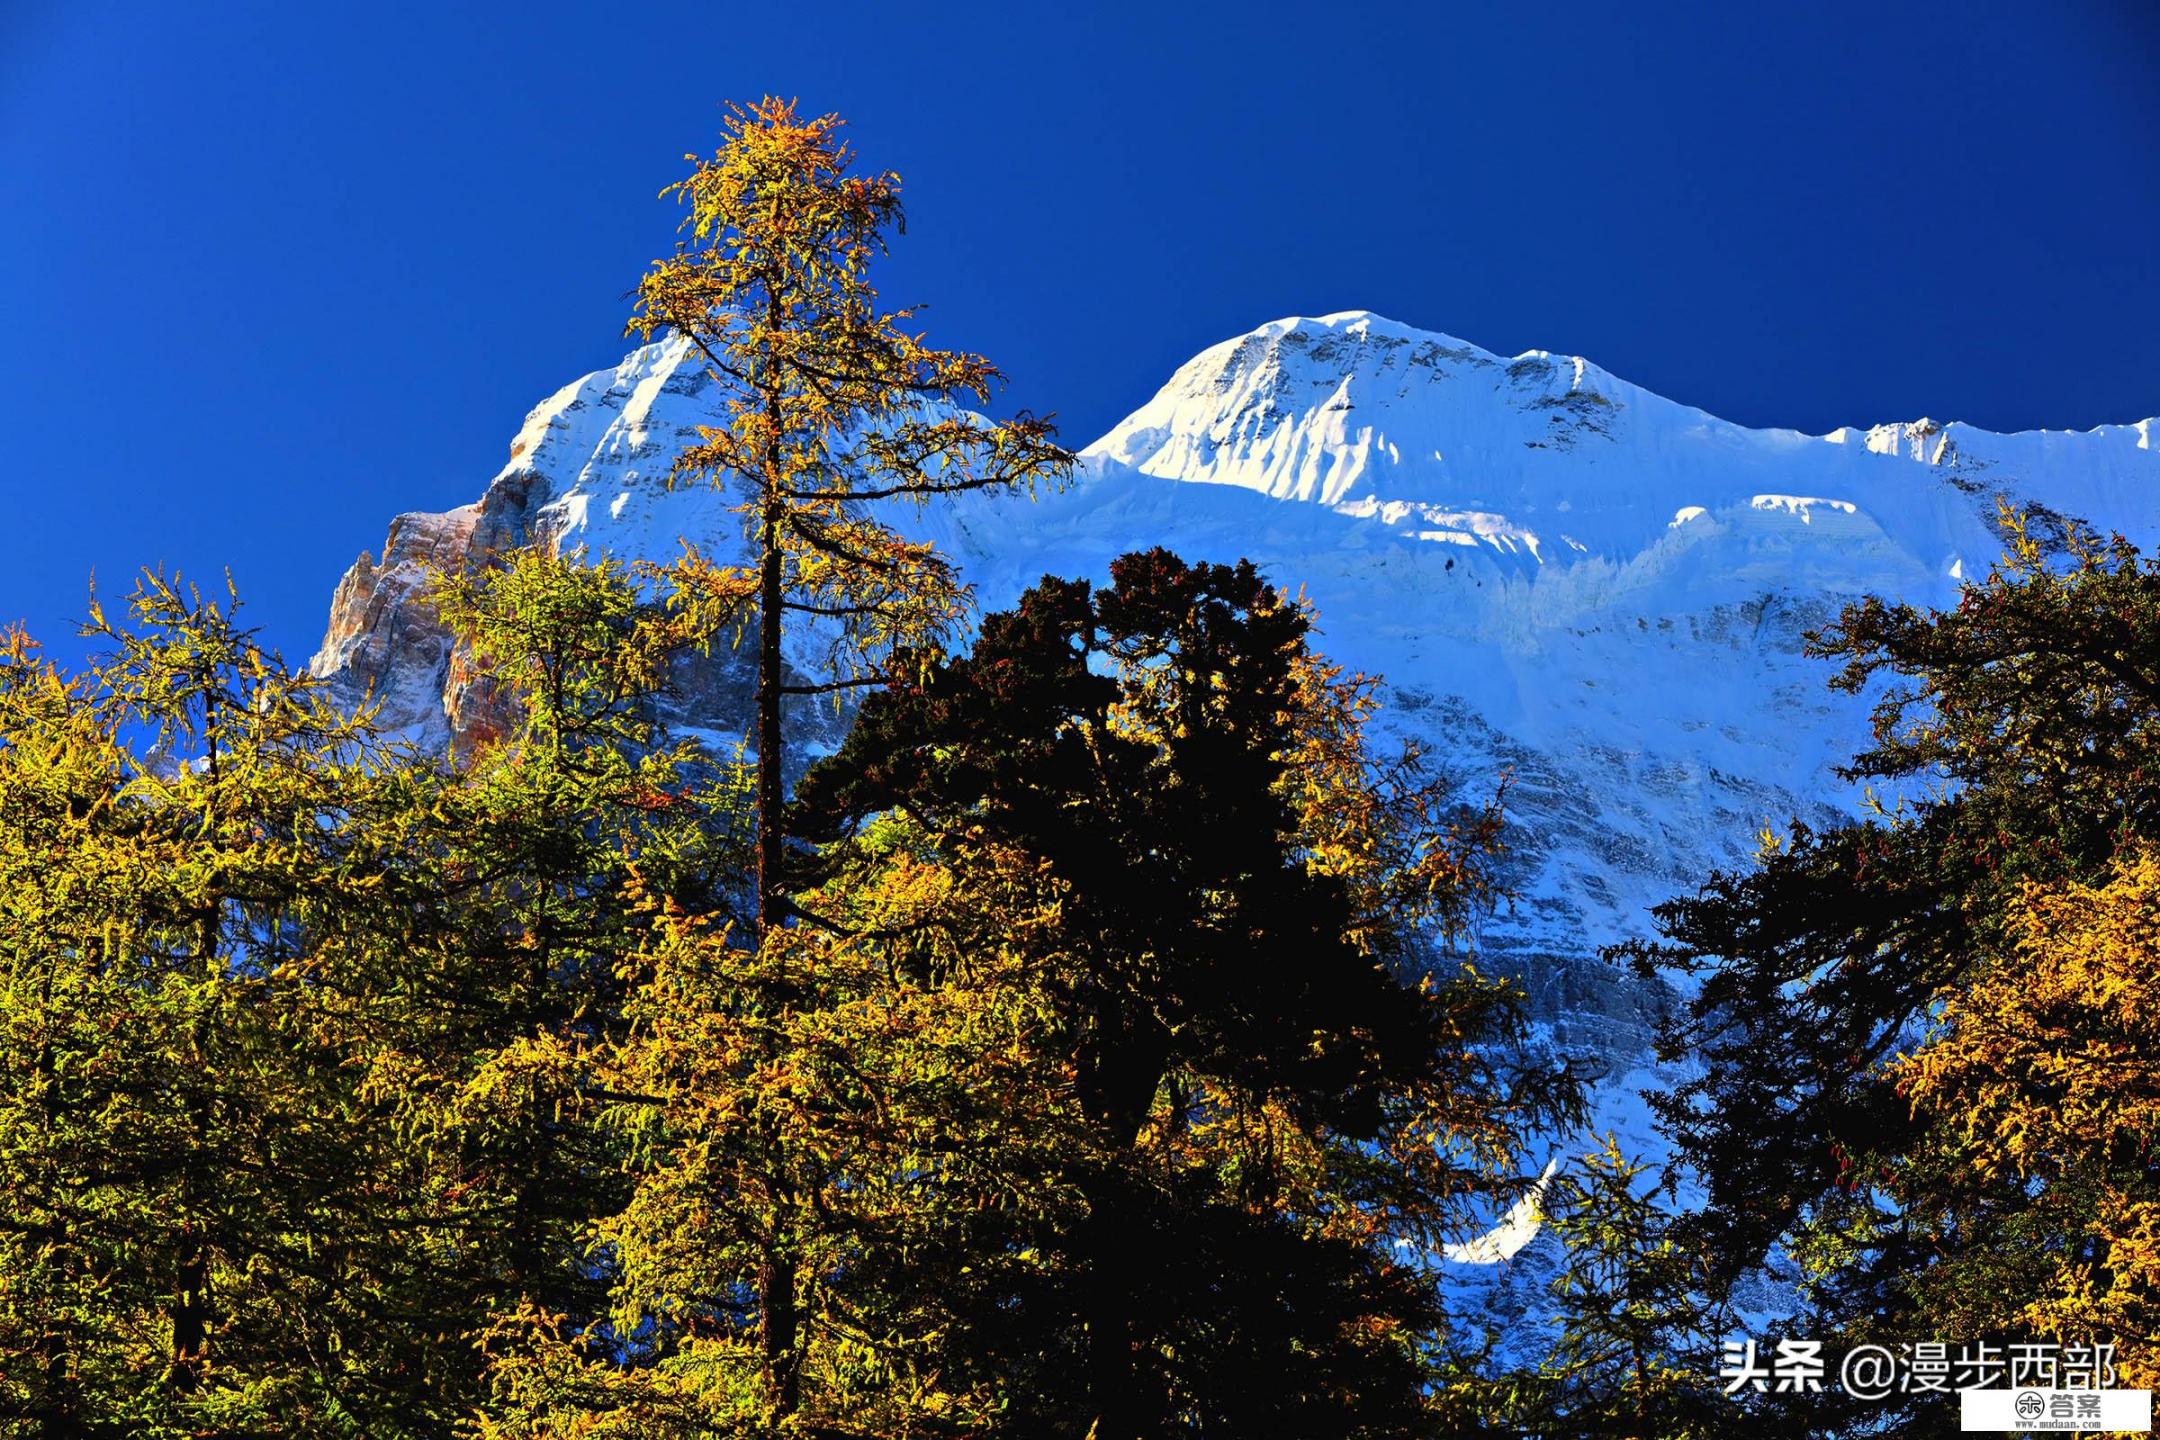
(1563, 578)
(385, 641)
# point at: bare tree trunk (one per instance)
(57, 1410)
(1125, 1079)
(191, 1279)
(776, 1292)
(1112, 1393)
(771, 793)
(190, 1319)
(778, 1318)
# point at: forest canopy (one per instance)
(1091, 1043)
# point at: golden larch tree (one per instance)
(833, 409)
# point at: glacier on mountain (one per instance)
(1562, 577)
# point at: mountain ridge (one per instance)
(1565, 592)
(1562, 577)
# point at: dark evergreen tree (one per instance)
(1638, 1322)
(1840, 973)
(1285, 1095)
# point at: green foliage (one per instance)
(1111, 1076)
(499, 977)
(295, 1022)
(890, 1140)
(190, 1189)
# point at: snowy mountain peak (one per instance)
(1436, 488)
(1561, 576)
(1547, 458)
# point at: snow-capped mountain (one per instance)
(1561, 576)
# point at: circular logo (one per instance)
(2030, 1406)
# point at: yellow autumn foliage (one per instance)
(2050, 1065)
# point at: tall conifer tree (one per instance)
(832, 406)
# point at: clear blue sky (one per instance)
(270, 273)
